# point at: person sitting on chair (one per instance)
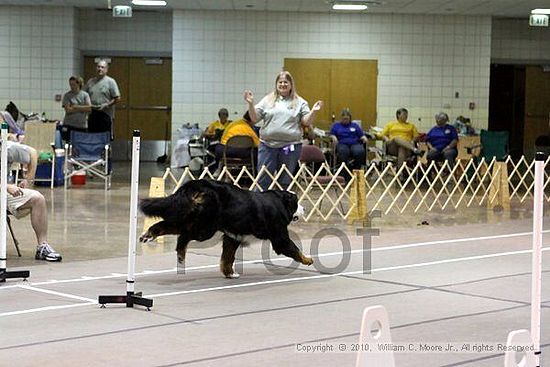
(349, 139)
(22, 201)
(213, 134)
(238, 127)
(399, 136)
(442, 140)
(15, 131)
(215, 129)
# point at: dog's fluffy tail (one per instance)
(158, 207)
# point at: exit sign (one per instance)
(538, 20)
(122, 11)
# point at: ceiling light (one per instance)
(540, 11)
(149, 2)
(356, 7)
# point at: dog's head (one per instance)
(299, 213)
(290, 200)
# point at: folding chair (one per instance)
(196, 148)
(41, 136)
(313, 157)
(90, 152)
(246, 159)
(492, 144)
(15, 242)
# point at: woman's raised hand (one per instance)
(248, 96)
(317, 106)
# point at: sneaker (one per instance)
(46, 252)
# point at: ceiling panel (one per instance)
(216, 5)
(258, 5)
(285, 5)
(425, 6)
(498, 8)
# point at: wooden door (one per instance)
(312, 80)
(150, 97)
(537, 107)
(339, 84)
(354, 85)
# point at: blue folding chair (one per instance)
(89, 152)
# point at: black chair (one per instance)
(246, 157)
(15, 242)
(312, 156)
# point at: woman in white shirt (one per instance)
(284, 113)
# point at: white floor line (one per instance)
(86, 278)
(337, 253)
(467, 239)
(42, 309)
(276, 281)
(379, 270)
(88, 301)
(55, 293)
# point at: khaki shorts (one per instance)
(15, 202)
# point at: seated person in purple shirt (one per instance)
(442, 140)
(6, 117)
(349, 139)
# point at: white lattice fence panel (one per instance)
(420, 188)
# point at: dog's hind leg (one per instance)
(230, 246)
(285, 246)
(159, 229)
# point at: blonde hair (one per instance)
(293, 94)
(78, 80)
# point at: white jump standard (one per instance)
(4, 274)
(131, 298)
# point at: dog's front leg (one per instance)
(285, 246)
(159, 229)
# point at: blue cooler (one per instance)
(44, 170)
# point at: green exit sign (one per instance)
(122, 11)
(538, 20)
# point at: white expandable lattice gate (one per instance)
(422, 187)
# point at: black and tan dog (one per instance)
(198, 209)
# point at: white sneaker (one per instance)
(46, 252)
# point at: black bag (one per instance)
(99, 121)
(13, 110)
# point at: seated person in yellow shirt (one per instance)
(399, 136)
(215, 129)
(239, 127)
(213, 133)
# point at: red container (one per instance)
(79, 178)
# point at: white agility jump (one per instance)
(4, 273)
(523, 347)
(131, 298)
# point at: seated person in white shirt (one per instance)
(23, 201)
